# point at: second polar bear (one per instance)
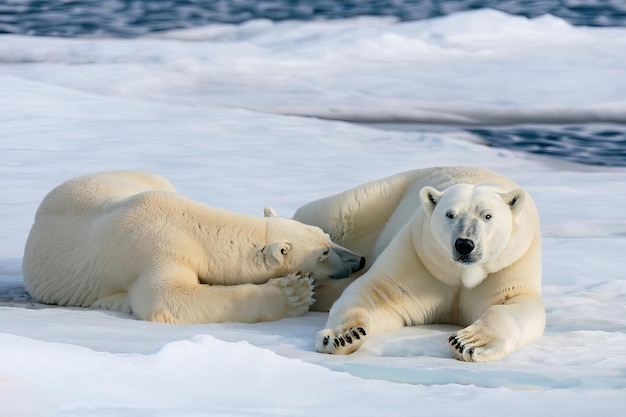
(453, 245)
(126, 240)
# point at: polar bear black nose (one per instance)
(464, 246)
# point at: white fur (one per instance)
(408, 227)
(127, 241)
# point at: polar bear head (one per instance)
(473, 226)
(295, 246)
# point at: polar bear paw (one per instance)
(298, 290)
(473, 344)
(341, 342)
(346, 337)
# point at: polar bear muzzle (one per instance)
(344, 262)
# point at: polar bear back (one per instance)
(90, 192)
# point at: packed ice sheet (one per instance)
(475, 67)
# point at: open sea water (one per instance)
(594, 144)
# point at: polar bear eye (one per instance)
(488, 217)
(284, 251)
(450, 214)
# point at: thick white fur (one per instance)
(127, 241)
(406, 226)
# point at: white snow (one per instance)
(196, 106)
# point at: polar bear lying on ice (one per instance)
(127, 241)
(452, 245)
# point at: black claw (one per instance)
(336, 342)
(452, 336)
(462, 349)
(326, 339)
(471, 352)
(348, 338)
(362, 330)
(343, 342)
(355, 334)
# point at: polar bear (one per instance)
(125, 240)
(445, 245)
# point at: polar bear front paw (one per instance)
(298, 290)
(346, 337)
(340, 342)
(473, 344)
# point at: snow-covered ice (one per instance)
(207, 108)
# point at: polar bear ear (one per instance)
(430, 197)
(514, 199)
(274, 253)
(268, 211)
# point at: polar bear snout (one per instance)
(345, 262)
(464, 246)
(466, 251)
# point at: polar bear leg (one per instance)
(501, 330)
(176, 297)
(377, 302)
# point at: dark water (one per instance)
(587, 143)
(596, 144)
(128, 18)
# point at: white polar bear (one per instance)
(453, 245)
(127, 241)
